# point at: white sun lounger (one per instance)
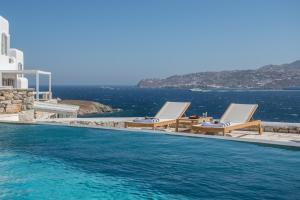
(238, 116)
(168, 114)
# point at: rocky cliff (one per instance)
(266, 77)
(89, 107)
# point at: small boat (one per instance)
(196, 90)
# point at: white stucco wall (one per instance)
(4, 28)
(18, 58)
(14, 60)
(14, 54)
(4, 25)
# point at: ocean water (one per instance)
(54, 162)
(273, 105)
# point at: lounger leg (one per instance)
(224, 133)
(125, 125)
(260, 130)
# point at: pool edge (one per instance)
(248, 140)
(181, 134)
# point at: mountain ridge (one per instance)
(266, 77)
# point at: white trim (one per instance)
(31, 71)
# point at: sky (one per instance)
(94, 42)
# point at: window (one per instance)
(11, 60)
(8, 82)
(20, 66)
(4, 44)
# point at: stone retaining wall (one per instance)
(277, 127)
(103, 124)
(15, 100)
(281, 127)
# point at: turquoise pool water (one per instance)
(52, 162)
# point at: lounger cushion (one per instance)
(216, 125)
(146, 120)
(231, 124)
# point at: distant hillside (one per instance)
(266, 77)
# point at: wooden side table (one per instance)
(190, 122)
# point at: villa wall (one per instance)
(15, 100)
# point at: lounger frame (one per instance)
(151, 125)
(256, 123)
(249, 124)
(155, 124)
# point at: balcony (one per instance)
(39, 95)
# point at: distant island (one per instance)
(267, 77)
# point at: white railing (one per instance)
(42, 96)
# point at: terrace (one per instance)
(39, 95)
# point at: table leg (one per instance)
(177, 125)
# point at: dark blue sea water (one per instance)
(273, 105)
(55, 162)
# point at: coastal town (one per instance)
(269, 77)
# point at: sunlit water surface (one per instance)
(53, 162)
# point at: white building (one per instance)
(12, 66)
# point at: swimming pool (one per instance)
(54, 162)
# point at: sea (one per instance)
(274, 105)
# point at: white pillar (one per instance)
(50, 87)
(37, 85)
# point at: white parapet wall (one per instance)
(9, 117)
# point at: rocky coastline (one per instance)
(89, 107)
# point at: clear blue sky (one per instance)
(120, 42)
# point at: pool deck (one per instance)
(117, 123)
(274, 138)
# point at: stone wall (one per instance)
(276, 127)
(15, 100)
(290, 129)
(281, 127)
